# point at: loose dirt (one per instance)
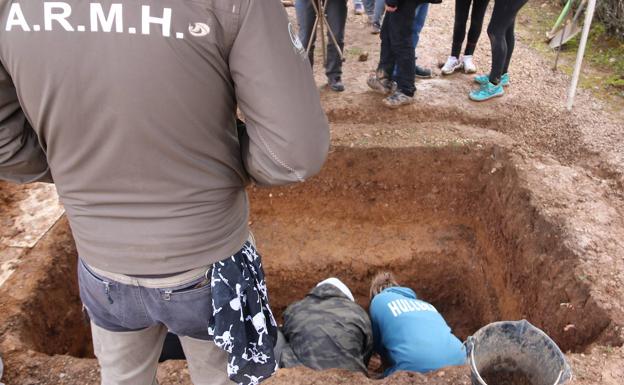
(504, 377)
(498, 211)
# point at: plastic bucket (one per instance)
(515, 353)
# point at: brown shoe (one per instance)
(397, 99)
(381, 85)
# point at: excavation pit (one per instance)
(454, 223)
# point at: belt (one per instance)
(164, 282)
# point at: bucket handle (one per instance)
(558, 378)
(470, 344)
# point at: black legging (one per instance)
(462, 8)
(502, 36)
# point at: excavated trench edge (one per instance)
(516, 265)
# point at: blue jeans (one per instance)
(184, 308)
(369, 6)
(128, 328)
(197, 305)
(378, 11)
(419, 22)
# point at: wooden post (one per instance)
(589, 15)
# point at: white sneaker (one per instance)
(469, 65)
(452, 64)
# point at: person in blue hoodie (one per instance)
(408, 333)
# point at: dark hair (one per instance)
(382, 281)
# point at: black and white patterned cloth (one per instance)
(242, 323)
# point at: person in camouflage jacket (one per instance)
(327, 329)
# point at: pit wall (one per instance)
(405, 210)
(537, 269)
(467, 204)
(517, 265)
(42, 309)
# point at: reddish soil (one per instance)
(506, 210)
(10, 195)
(456, 223)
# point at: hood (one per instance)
(340, 285)
(328, 290)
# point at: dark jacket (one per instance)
(327, 330)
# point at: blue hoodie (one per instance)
(411, 335)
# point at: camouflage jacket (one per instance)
(327, 330)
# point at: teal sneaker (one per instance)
(486, 92)
(485, 79)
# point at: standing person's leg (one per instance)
(402, 46)
(419, 23)
(476, 25)
(207, 363)
(510, 38)
(337, 19)
(126, 341)
(496, 31)
(128, 358)
(380, 7)
(306, 17)
(300, 6)
(130, 318)
(387, 60)
(479, 7)
(381, 80)
(503, 18)
(462, 9)
(369, 6)
(402, 22)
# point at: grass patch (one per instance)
(603, 66)
(603, 50)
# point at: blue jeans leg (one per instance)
(380, 7)
(305, 18)
(369, 6)
(419, 22)
(300, 8)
